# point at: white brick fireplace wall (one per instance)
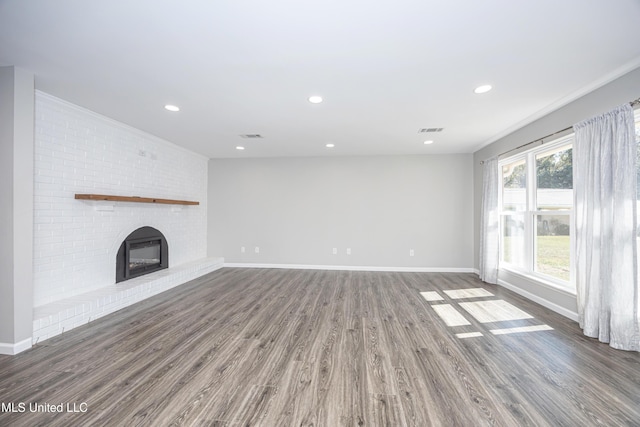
(75, 241)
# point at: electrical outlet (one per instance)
(411, 253)
(242, 249)
(257, 249)
(335, 251)
(348, 251)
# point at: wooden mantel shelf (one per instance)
(134, 199)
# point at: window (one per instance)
(536, 209)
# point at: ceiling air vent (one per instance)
(428, 130)
(251, 136)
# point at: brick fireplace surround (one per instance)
(76, 241)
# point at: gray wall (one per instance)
(16, 209)
(618, 92)
(296, 210)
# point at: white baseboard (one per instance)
(352, 268)
(13, 349)
(543, 302)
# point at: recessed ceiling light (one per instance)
(170, 107)
(428, 142)
(330, 145)
(482, 89)
(239, 147)
(315, 99)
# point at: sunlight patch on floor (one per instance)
(469, 334)
(494, 311)
(468, 293)
(450, 315)
(431, 296)
(533, 328)
(483, 311)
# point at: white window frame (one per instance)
(530, 214)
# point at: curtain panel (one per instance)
(604, 173)
(490, 222)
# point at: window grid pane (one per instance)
(514, 186)
(554, 179)
(513, 239)
(553, 246)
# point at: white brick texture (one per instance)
(75, 241)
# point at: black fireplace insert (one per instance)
(142, 252)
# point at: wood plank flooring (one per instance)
(266, 347)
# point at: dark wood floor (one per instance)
(324, 348)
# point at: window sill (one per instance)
(570, 291)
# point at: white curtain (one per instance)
(604, 177)
(490, 222)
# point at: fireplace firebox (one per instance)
(142, 252)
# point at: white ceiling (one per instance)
(385, 68)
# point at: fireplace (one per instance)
(142, 252)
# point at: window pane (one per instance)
(553, 246)
(513, 239)
(554, 175)
(514, 186)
